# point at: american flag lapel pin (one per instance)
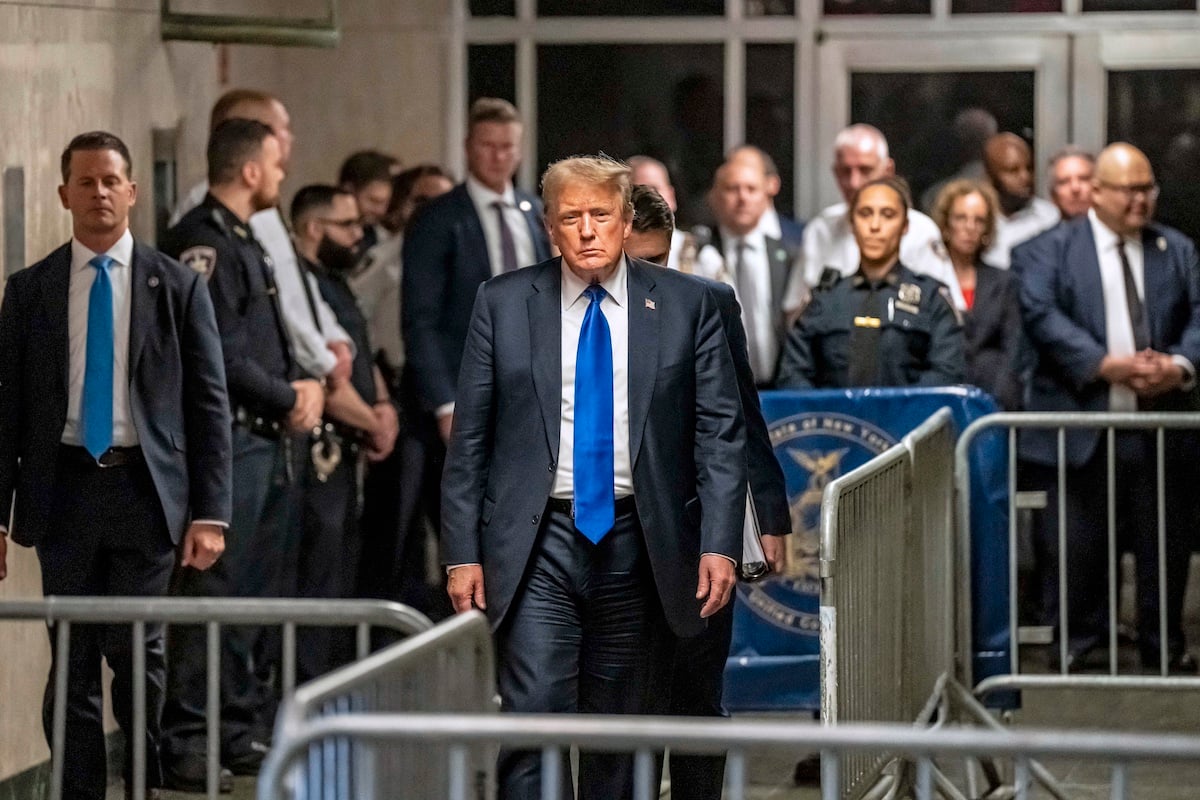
(649, 304)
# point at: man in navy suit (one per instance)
(595, 483)
(1111, 302)
(114, 438)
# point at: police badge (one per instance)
(201, 259)
(909, 293)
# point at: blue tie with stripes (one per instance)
(97, 406)
(593, 463)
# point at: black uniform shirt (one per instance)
(258, 364)
(336, 292)
(900, 331)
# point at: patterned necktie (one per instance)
(593, 464)
(1137, 312)
(508, 247)
(97, 406)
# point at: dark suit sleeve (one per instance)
(467, 458)
(796, 367)
(12, 358)
(426, 258)
(1037, 265)
(947, 345)
(1008, 382)
(767, 484)
(1189, 341)
(720, 449)
(206, 410)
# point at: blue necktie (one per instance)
(593, 465)
(97, 406)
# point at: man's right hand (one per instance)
(310, 405)
(465, 587)
(1120, 369)
(445, 423)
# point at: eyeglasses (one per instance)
(347, 224)
(1149, 190)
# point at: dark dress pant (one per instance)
(583, 635)
(1137, 517)
(260, 548)
(107, 536)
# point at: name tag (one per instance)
(866, 322)
(907, 307)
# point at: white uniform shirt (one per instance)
(376, 284)
(1040, 215)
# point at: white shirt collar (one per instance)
(769, 224)
(1105, 236)
(121, 252)
(616, 285)
(483, 197)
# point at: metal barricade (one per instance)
(1109, 423)
(447, 669)
(887, 590)
(63, 612)
(647, 736)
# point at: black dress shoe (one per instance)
(1178, 664)
(248, 761)
(189, 773)
(808, 770)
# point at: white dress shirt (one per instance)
(1118, 327)
(83, 275)
(708, 262)
(829, 242)
(1040, 215)
(309, 344)
(757, 309)
(483, 198)
(615, 307)
(376, 284)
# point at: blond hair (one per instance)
(961, 188)
(598, 170)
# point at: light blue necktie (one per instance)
(97, 406)
(593, 466)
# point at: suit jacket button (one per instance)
(535, 519)
(551, 467)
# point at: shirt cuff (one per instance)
(722, 555)
(1189, 372)
(444, 409)
(456, 566)
(217, 522)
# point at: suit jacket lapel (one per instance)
(144, 280)
(643, 351)
(1090, 279)
(56, 302)
(537, 230)
(544, 307)
(1155, 289)
(472, 231)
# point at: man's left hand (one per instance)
(341, 370)
(1163, 376)
(383, 439)
(202, 545)
(776, 553)
(716, 583)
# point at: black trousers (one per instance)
(1137, 530)
(260, 552)
(585, 634)
(107, 536)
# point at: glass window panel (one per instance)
(1159, 112)
(631, 8)
(676, 116)
(493, 8)
(770, 8)
(1139, 5)
(770, 107)
(492, 71)
(1005, 6)
(838, 7)
(935, 121)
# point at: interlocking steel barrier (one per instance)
(647, 736)
(887, 589)
(447, 669)
(63, 612)
(1109, 423)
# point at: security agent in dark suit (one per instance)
(694, 682)
(757, 261)
(882, 326)
(114, 437)
(271, 404)
(1111, 302)
(595, 484)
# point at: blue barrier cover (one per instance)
(819, 435)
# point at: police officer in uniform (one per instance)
(270, 405)
(882, 326)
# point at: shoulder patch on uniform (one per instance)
(202, 259)
(945, 293)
